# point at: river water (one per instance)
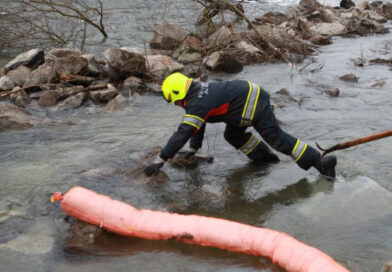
(349, 219)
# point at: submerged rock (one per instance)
(349, 77)
(15, 118)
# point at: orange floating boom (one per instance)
(123, 219)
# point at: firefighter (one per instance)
(240, 104)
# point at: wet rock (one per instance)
(333, 92)
(387, 267)
(363, 5)
(64, 52)
(181, 161)
(321, 40)
(153, 88)
(71, 65)
(6, 83)
(346, 4)
(48, 98)
(15, 118)
(386, 10)
(20, 97)
(74, 101)
(82, 236)
(65, 92)
(161, 66)
(349, 77)
(117, 103)
(93, 66)
(168, 36)
(223, 62)
(286, 93)
(193, 71)
(309, 5)
(31, 59)
(379, 83)
(330, 29)
(133, 85)
(189, 51)
(19, 75)
(249, 53)
(103, 96)
(43, 74)
(275, 18)
(221, 37)
(123, 63)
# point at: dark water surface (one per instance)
(349, 219)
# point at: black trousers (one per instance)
(266, 124)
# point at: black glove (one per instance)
(153, 169)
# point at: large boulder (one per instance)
(43, 74)
(248, 53)
(74, 101)
(168, 36)
(161, 66)
(64, 52)
(71, 65)
(330, 29)
(19, 75)
(117, 103)
(221, 37)
(133, 85)
(13, 117)
(94, 68)
(123, 63)
(31, 59)
(221, 61)
(103, 96)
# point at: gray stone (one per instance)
(71, 65)
(13, 117)
(349, 77)
(48, 98)
(117, 103)
(161, 66)
(321, 40)
(168, 36)
(93, 67)
(222, 62)
(153, 88)
(103, 96)
(330, 29)
(19, 97)
(31, 59)
(220, 37)
(333, 92)
(64, 52)
(133, 85)
(6, 83)
(43, 74)
(19, 75)
(189, 51)
(124, 63)
(74, 101)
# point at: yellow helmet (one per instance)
(175, 87)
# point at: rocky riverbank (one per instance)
(69, 78)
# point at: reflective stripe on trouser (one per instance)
(248, 143)
(250, 105)
(267, 126)
(193, 120)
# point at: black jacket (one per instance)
(212, 102)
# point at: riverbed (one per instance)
(349, 219)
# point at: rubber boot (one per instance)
(326, 166)
(262, 154)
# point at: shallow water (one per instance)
(349, 219)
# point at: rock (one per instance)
(349, 77)
(6, 83)
(189, 51)
(20, 97)
(168, 36)
(71, 65)
(103, 96)
(74, 101)
(309, 5)
(48, 98)
(378, 84)
(386, 9)
(222, 62)
(346, 4)
(12, 117)
(65, 92)
(93, 67)
(153, 88)
(321, 40)
(363, 5)
(43, 74)
(221, 37)
(387, 267)
(31, 59)
(161, 66)
(64, 52)
(133, 85)
(193, 71)
(82, 238)
(329, 29)
(118, 103)
(333, 92)
(248, 53)
(19, 75)
(124, 63)
(372, 15)
(275, 18)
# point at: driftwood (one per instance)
(86, 89)
(241, 14)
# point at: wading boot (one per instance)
(326, 166)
